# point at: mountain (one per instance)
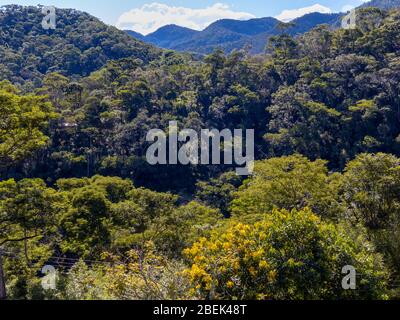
(248, 27)
(134, 34)
(311, 20)
(79, 45)
(229, 34)
(382, 4)
(225, 34)
(169, 34)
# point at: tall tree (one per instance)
(22, 121)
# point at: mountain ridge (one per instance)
(230, 34)
(79, 45)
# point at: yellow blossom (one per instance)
(272, 275)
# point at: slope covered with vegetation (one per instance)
(230, 35)
(79, 194)
(329, 95)
(78, 46)
(382, 4)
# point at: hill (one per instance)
(77, 191)
(170, 35)
(134, 34)
(382, 4)
(229, 34)
(79, 45)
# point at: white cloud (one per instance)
(152, 16)
(288, 15)
(349, 7)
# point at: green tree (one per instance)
(218, 193)
(145, 216)
(22, 120)
(86, 224)
(371, 193)
(289, 255)
(26, 211)
(28, 229)
(292, 182)
(371, 189)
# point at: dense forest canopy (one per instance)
(78, 193)
(328, 94)
(78, 46)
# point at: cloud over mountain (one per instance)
(151, 17)
(288, 15)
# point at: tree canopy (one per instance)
(77, 193)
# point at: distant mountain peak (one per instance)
(248, 27)
(230, 34)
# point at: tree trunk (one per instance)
(26, 248)
(3, 293)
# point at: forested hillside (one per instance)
(79, 45)
(382, 4)
(76, 191)
(230, 35)
(329, 95)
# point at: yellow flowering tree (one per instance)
(142, 274)
(289, 255)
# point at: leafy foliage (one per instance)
(77, 192)
(291, 182)
(23, 119)
(371, 192)
(79, 45)
(289, 255)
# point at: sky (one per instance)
(146, 16)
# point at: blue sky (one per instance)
(131, 14)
